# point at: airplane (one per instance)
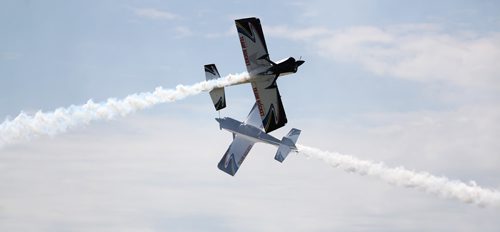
(263, 74)
(246, 134)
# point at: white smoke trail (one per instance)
(25, 127)
(399, 176)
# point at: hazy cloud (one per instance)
(301, 34)
(230, 32)
(153, 13)
(419, 52)
(460, 143)
(9, 55)
(182, 31)
(90, 180)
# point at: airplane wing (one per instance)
(253, 117)
(253, 45)
(235, 155)
(268, 101)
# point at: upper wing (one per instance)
(253, 45)
(235, 155)
(268, 100)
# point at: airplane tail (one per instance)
(218, 95)
(287, 145)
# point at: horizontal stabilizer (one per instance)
(211, 72)
(283, 151)
(287, 145)
(218, 98)
(218, 95)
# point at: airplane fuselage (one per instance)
(279, 69)
(250, 132)
(284, 67)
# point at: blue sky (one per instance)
(406, 83)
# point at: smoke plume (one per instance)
(25, 127)
(399, 176)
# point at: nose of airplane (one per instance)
(299, 62)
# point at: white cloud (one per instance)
(182, 31)
(419, 52)
(153, 13)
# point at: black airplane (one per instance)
(283, 67)
(262, 71)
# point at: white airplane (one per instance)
(246, 134)
(268, 113)
(263, 74)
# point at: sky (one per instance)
(413, 84)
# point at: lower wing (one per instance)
(268, 100)
(235, 155)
